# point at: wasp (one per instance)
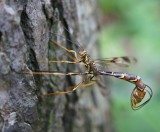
(92, 73)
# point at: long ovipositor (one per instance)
(125, 76)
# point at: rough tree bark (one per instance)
(25, 27)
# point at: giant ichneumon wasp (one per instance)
(92, 73)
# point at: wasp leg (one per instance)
(58, 61)
(81, 84)
(66, 92)
(84, 84)
(75, 58)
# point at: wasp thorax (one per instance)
(82, 53)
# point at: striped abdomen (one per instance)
(125, 76)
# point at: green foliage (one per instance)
(135, 31)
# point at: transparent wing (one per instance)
(123, 61)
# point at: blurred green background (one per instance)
(132, 27)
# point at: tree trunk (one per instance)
(25, 31)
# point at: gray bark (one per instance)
(25, 28)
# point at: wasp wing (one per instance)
(123, 61)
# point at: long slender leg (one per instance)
(89, 84)
(58, 61)
(62, 61)
(66, 92)
(56, 73)
(84, 84)
(81, 84)
(75, 58)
